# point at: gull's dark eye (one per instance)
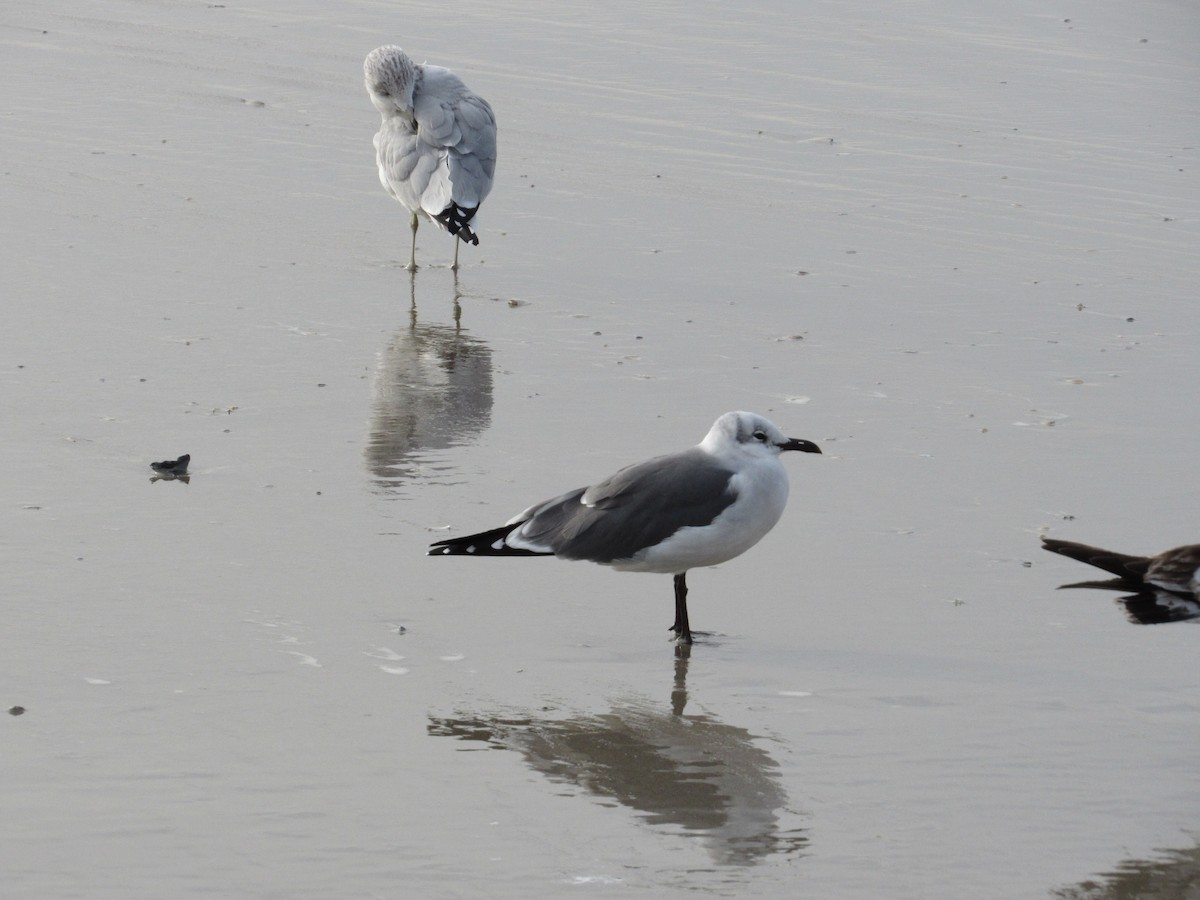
(381, 90)
(760, 436)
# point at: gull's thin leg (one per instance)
(412, 259)
(457, 241)
(680, 627)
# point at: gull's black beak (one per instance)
(802, 446)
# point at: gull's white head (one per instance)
(748, 433)
(390, 76)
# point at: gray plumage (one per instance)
(699, 507)
(436, 145)
(667, 493)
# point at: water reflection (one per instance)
(432, 391)
(1173, 877)
(1148, 606)
(680, 772)
(1159, 608)
(186, 479)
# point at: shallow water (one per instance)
(955, 245)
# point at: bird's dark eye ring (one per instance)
(760, 436)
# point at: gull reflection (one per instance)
(1147, 606)
(685, 773)
(1175, 874)
(432, 391)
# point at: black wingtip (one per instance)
(456, 220)
(464, 546)
(450, 548)
(485, 543)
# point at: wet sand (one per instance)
(954, 245)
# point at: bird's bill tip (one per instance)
(802, 446)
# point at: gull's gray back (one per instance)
(447, 154)
(638, 507)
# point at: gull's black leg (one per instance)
(680, 584)
(680, 627)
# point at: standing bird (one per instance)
(700, 507)
(172, 467)
(1176, 570)
(436, 146)
(172, 470)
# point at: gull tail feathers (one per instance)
(485, 543)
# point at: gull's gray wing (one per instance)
(638, 507)
(457, 131)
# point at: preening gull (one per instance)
(436, 146)
(1176, 570)
(699, 507)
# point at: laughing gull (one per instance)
(436, 146)
(1176, 570)
(700, 507)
